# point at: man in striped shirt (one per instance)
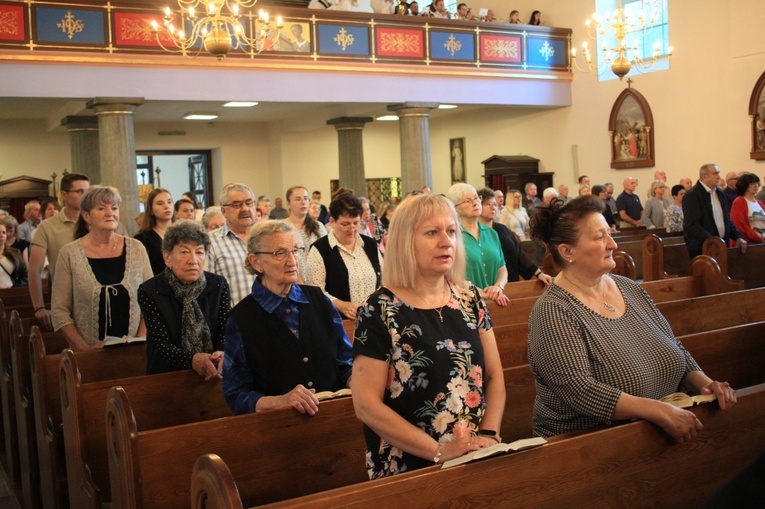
(228, 247)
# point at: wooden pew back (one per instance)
(164, 400)
(749, 266)
(710, 312)
(643, 468)
(152, 468)
(72, 371)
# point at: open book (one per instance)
(114, 340)
(518, 445)
(321, 396)
(683, 400)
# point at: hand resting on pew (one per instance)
(599, 349)
(284, 341)
(208, 366)
(427, 379)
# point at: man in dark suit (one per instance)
(706, 213)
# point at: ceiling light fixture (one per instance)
(387, 118)
(218, 30)
(240, 104)
(199, 115)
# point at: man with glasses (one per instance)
(50, 237)
(228, 244)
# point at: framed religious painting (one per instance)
(457, 158)
(630, 131)
(757, 117)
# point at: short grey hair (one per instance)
(256, 239)
(96, 195)
(210, 212)
(185, 230)
(457, 192)
(223, 198)
(29, 204)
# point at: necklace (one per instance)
(608, 306)
(445, 301)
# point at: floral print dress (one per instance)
(436, 366)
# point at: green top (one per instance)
(484, 256)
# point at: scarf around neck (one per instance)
(195, 334)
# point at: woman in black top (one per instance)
(184, 307)
(156, 219)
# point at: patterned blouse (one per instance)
(436, 366)
(582, 361)
(673, 219)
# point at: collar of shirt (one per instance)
(709, 190)
(269, 301)
(333, 242)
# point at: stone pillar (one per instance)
(117, 149)
(350, 145)
(83, 142)
(414, 128)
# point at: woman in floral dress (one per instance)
(427, 380)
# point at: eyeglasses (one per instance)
(239, 204)
(470, 201)
(281, 254)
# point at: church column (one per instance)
(117, 151)
(414, 128)
(83, 143)
(351, 149)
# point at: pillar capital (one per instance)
(106, 105)
(80, 123)
(341, 123)
(412, 109)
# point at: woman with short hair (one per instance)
(97, 276)
(284, 341)
(345, 264)
(673, 217)
(747, 212)
(485, 261)
(655, 206)
(185, 308)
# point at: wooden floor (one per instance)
(7, 501)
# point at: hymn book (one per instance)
(518, 445)
(321, 396)
(683, 400)
(114, 340)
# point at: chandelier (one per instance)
(218, 30)
(623, 57)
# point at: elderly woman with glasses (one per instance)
(345, 264)
(185, 308)
(485, 262)
(284, 341)
(97, 276)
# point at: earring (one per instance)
(571, 261)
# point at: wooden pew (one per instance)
(706, 279)
(165, 400)
(710, 312)
(635, 248)
(24, 408)
(749, 266)
(664, 258)
(136, 455)
(297, 453)
(634, 464)
(10, 325)
(96, 365)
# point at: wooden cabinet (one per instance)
(514, 172)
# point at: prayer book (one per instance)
(683, 400)
(518, 445)
(114, 340)
(321, 396)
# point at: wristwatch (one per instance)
(489, 433)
